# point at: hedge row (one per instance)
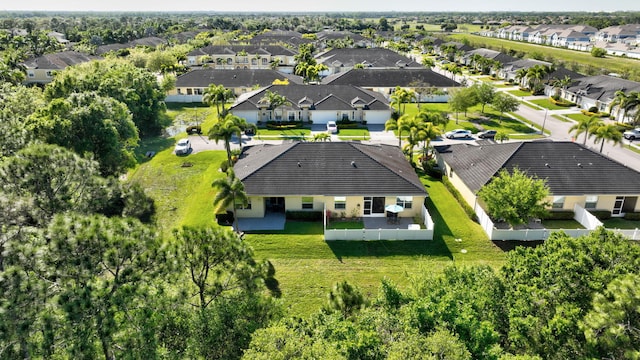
(560, 215)
(301, 215)
(561, 102)
(632, 216)
(283, 125)
(456, 194)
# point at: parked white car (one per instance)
(632, 134)
(332, 128)
(183, 147)
(458, 134)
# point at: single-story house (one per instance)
(40, 70)
(574, 173)
(314, 103)
(338, 60)
(291, 38)
(385, 81)
(345, 178)
(598, 91)
(191, 86)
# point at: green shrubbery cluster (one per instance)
(456, 194)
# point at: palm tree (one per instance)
(414, 127)
(535, 75)
(521, 75)
(242, 125)
(224, 129)
(230, 192)
(586, 126)
(396, 124)
(626, 103)
(274, 100)
(620, 101)
(608, 132)
(561, 84)
(217, 95)
(431, 131)
(400, 97)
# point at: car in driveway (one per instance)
(183, 147)
(458, 134)
(632, 134)
(487, 134)
(332, 127)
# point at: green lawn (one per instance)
(561, 118)
(337, 224)
(282, 134)
(183, 194)
(520, 93)
(545, 103)
(354, 134)
(307, 267)
(620, 223)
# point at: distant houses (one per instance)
(41, 70)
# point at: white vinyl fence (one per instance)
(582, 216)
(384, 234)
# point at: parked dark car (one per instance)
(488, 134)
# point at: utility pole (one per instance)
(544, 121)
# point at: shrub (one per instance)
(632, 216)
(301, 215)
(560, 215)
(601, 214)
(593, 109)
(556, 97)
(456, 194)
(283, 125)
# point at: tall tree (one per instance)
(230, 192)
(224, 129)
(485, 93)
(504, 103)
(515, 197)
(612, 326)
(218, 96)
(137, 88)
(461, 100)
(273, 101)
(102, 268)
(90, 123)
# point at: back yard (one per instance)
(306, 265)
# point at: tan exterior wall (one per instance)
(40, 76)
(605, 202)
(257, 208)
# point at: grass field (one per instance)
(520, 93)
(354, 134)
(587, 62)
(545, 103)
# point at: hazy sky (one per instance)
(322, 5)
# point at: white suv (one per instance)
(632, 134)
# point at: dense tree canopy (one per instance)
(137, 88)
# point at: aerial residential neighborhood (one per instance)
(337, 184)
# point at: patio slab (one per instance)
(271, 221)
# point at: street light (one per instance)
(544, 121)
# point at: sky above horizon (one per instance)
(322, 6)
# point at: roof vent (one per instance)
(299, 164)
(353, 163)
(547, 165)
(579, 165)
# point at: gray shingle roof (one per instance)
(602, 87)
(59, 60)
(390, 78)
(338, 95)
(272, 50)
(375, 57)
(568, 167)
(233, 78)
(326, 168)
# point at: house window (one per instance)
(291, 115)
(243, 206)
(345, 116)
(229, 61)
(340, 202)
(404, 201)
(591, 202)
(307, 202)
(254, 62)
(189, 91)
(265, 61)
(31, 74)
(179, 91)
(49, 73)
(197, 91)
(558, 202)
